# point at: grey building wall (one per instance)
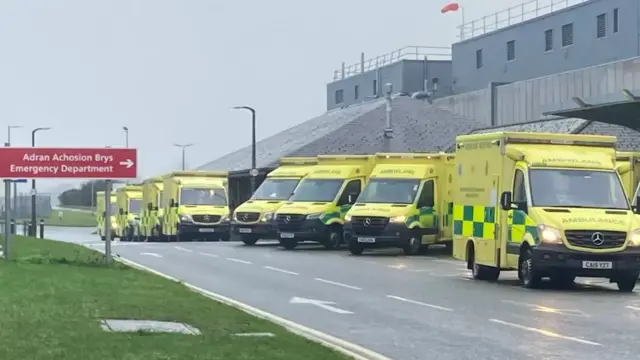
(406, 76)
(531, 58)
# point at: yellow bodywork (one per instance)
(182, 207)
(269, 197)
(339, 179)
(487, 165)
(100, 214)
(152, 210)
(129, 203)
(412, 190)
(628, 165)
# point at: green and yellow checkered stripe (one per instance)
(448, 216)
(520, 225)
(474, 221)
(145, 221)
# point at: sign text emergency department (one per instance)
(93, 163)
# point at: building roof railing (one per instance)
(405, 53)
(513, 15)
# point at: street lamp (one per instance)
(15, 185)
(126, 136)
(183, 147)
(254, 171)
(32, 229)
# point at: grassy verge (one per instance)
(54, 295)
(69, 219)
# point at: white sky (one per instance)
(171, 70)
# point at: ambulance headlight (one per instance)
(186, 218)
(267, 217)
(347, 218)
(634, 238)
(398, 219)
(225, 218)
(549, 234)
(315, 216)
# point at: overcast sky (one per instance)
(171, 70)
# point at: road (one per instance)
(403, 307)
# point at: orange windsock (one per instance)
(450, 7)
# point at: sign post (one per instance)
(66, 163)
(7, 219)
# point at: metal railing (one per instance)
(405, 53)
(513, 15)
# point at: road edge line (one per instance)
(347, 348)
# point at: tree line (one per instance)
(85, 195)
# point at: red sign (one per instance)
(56, 163)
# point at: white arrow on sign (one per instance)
(129, 163)
(319, 303)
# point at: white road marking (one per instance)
(281, 270)
(338, 284)
(207, 254)
(419, 303)
(327, 305)
(151, 254)
(240, 261)
(182, 249)
(633, 307)
(545, 332)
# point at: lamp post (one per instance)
(183, 147)
(126, 141)
(15, 185)
(254, 171)
(32, 228)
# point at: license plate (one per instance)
(368, 240)
(286, 235)
(207, 230)
(597, 265)
(245, 231)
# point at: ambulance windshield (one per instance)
(390, 191)
(275, 189)
(317, 190)
(134, 206)
(202, 196)
(577, 188)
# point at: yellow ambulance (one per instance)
(546, 205)
(196, 206)
(253, 220)
(152, 210)
(129, 204)
(101, 209)
(316, 210)
(404, 204)
(628, 165)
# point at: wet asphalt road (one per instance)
(409, 308)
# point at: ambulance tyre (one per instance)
(289, 244)
(480, 272)
(414, 245)
(627, 281)
(249, 239)
(354, 247)
(334, 238)
(530, 277)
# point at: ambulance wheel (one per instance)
(627, 282)
(482, 272)
(334, 238)
(289, 244)
(249, 239)
(531, 278)
(414, 245)
(354, 247)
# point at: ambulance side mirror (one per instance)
(506, 200)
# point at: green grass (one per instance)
(69, 219)
(54, 295)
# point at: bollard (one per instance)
(13, 227)
(24, 228)
(41, 228)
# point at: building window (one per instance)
(615, 20)
(478, 59)
(511, 50)
(567, 34)
(375, 87)
(548, 40)
(356, 92)
(339, 96)
(601, 25)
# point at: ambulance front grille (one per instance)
(595, 239)
(369, 225)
